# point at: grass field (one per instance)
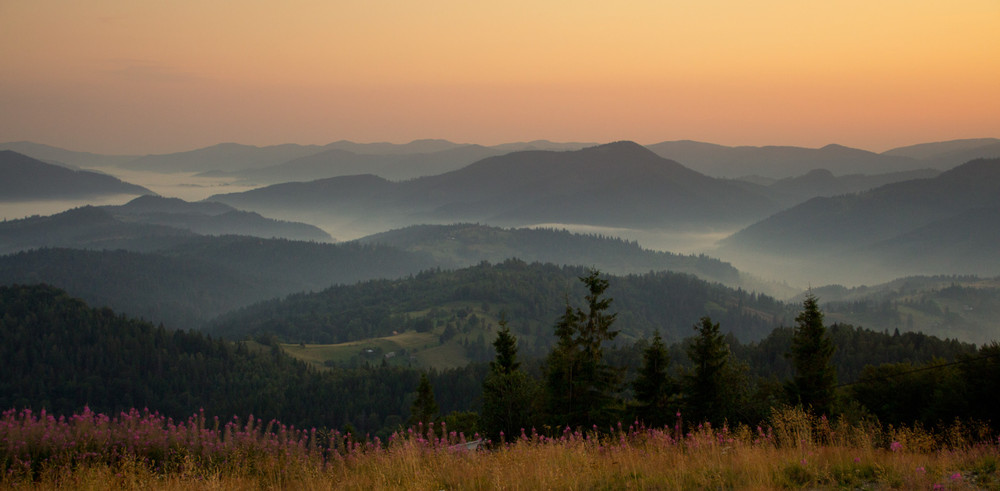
(794, 451)
(410, 348)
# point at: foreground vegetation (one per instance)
(794, 450)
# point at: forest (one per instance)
(61, 355)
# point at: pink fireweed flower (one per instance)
(896, 446)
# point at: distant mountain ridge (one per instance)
(930, 224)
(774, 162)
(781, 161)
(23, 178)
(822, 183)
(619, 184)
(145, 223)
(209, 218)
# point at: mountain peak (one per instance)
(624, 148)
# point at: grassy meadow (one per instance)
(410, 348)
(142, 450)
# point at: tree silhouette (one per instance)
(811, 351)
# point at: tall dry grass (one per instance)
(794, 451)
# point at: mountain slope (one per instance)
(822, 183)
(87, 227)
(61, 355)
(532, 296)
(891, 226)
(208, 218)
(950, 153)
(463, 245)
(23, 178)
(339, 162)
(619, 184)
(189, 280)
(222, 157)
(70, 158)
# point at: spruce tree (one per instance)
(580, 385)
(811, 351)
(508, 392)
(424, 408)
(706, 392)
(654, 386)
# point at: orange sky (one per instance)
(126, 76)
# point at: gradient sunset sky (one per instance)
(132, 76)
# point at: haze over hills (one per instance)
(393, 166)
(222, 157)
(779, 161)
(620, 184)
(146, 223)
(924, 226)
(462, 245)
(950, 153)
(23, 178)
(822, 183)
(185, 281)
(61, 156)
(208, 218)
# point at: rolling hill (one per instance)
(531, 295)
(189, 280)
(462, 245)
(942, 225)
(23, 178)
(778, 162)
(144, 224)
(208, 218)
(620, 184)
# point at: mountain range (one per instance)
(620, 184)
(429, 157)
(777, 162)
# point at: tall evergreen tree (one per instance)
(508, 392)
(811, 351)
(506, 347)
(654, 386)
(708, 396)
(580, 384)
(424, 408)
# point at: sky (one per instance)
(136, 77)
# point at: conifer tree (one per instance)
(707, 394)
(508, 392)
(654, 386)
(580, 385)
(811, 351)
(424, 408)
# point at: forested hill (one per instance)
(189, 283)
(59, 354)
(531, 295)
(465, 244)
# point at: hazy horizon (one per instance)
(113, 76)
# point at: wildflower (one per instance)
(956, 476)
(921, 470)
(896, 446)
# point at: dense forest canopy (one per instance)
(60, 354)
